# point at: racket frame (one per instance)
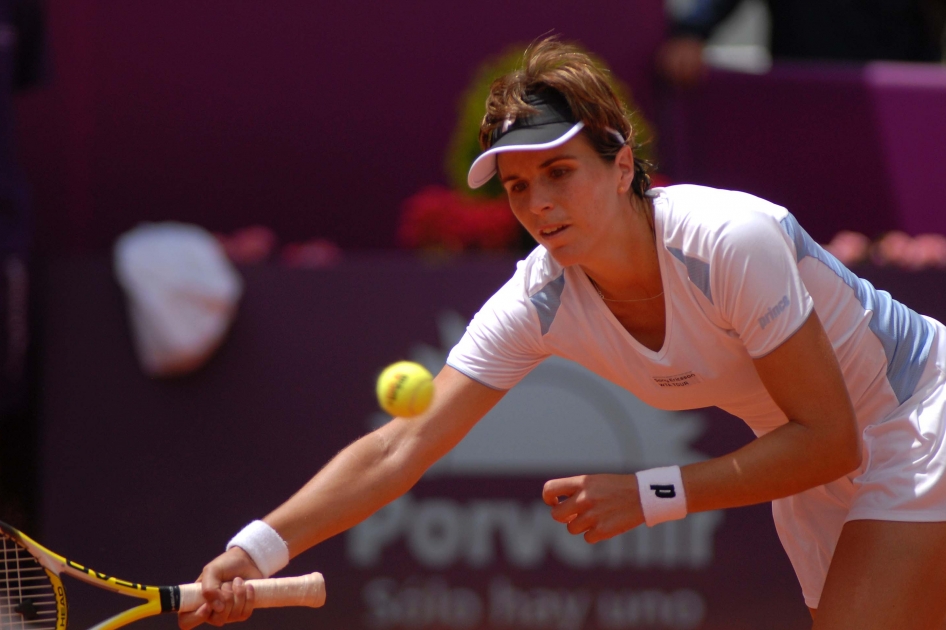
(303, 590)
(159, 599)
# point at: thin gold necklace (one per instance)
(601, 295)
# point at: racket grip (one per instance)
(303, 590)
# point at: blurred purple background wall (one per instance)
(315, 118)
(319, 119)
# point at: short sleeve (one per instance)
(503, 341)
(755, 278)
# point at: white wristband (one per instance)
(264, 545)
(662, 495)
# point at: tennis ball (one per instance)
(405, 389)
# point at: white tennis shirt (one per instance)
(740, 276)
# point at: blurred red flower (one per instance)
(441, 218)
(925, 251)
(849, 247)
(248, 245)
(314, 254)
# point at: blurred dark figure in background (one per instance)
(22, 65)
(838, 30)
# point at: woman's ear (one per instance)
(624, 161)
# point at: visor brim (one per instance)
(523, 139)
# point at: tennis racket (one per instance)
(32, 596)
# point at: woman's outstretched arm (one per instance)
(362, 478)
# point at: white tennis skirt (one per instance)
(902, 478)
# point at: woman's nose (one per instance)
(539, 201)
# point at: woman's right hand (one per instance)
(228, 598)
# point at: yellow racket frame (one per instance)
(158, 598)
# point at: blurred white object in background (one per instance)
(741, 42)
(182, 294)
(737, 58)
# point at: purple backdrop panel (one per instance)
(803, 137)
(317, 118)
(910, 101)
(842, 147)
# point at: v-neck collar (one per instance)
(654, 355)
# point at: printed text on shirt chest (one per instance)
(684, 379)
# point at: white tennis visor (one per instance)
(523, 139)
(550, 124)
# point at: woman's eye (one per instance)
(517, 186)
(557, 173)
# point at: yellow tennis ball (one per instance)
(405, 389)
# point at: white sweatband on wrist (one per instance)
(264, 545)
(662, 495)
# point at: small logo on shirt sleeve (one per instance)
(774, 312)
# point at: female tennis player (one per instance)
(688, 297)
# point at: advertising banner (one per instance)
(147, 479)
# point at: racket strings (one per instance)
(27, 597)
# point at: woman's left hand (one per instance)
(598, 506)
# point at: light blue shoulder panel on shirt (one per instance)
(697, 270)
(547, 300)
(905, 336)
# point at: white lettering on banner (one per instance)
(436, 532)
(432, 603)
(561, 609)
(682, 609)
(440, 533)
(420, 604)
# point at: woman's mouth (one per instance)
(552, 230)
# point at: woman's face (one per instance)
(568, 198)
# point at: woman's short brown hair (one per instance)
(552, 64)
